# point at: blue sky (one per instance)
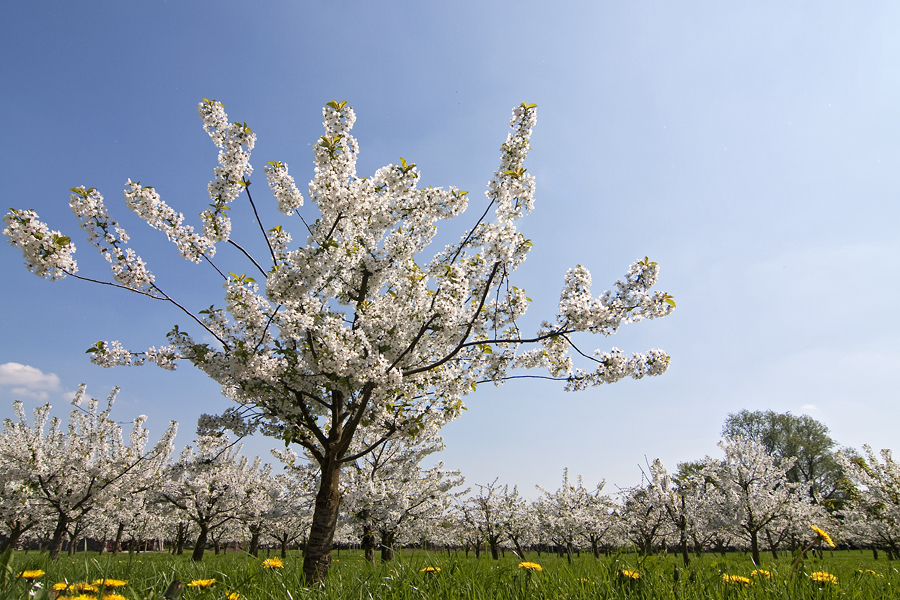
(752, 149)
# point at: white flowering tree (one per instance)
(209, 486)
(872, 513)
(354, 330)
(77, 471)
(390, 495)
(753, 491)
(288, 520)
(566, 514)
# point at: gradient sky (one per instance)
(752, 149)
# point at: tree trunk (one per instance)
(387, 546)
(200, 546)
(368, 537)
(13, 538)
(317, 557)
(254, 542)
(685, 558)
(495, 554)
(754, 547)
(874, 553)
(57, 540)
(772, 545)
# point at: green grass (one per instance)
(468, 578)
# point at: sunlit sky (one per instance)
(752, 149)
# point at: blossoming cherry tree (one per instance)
(354, 330)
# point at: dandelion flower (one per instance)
(870, 572)
(110, 583)
(628, 574)
(430, 570)
(530, 566)
(82, 587)
(114, 597)
(823, 535)
(272, 563)
(201, 583)
(736, 579)
(33, 574)
(823, 577)
(232, 596)
(62, 585)
(761, 573)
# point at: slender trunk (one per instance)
(772, 545)
(754, 547)
(57, 540)
(387, 546)
(495, 554)
(284, 548)
(368, 543)
(254, 542)
(685, 558)
(874, 553)
(515, 540)
(317, 557)
(200, 546)
(13, 538)
(569, 552)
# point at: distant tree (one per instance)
(790, 436)
(71, 473)
(752, 489)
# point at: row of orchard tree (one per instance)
(778, 476)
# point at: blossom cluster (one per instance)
(47, 253)
(236, 140)
(146, 203)
(127, 267)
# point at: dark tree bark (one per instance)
(200, 546)
(387, 546)
(317, 558)
(57, 540)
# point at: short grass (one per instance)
(462, 577)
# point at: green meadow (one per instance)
(419, 575)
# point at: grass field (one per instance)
(149, 574)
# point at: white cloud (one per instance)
(28, 382)
(809, 408)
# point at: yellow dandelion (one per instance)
(79, 597)
(114, 597)
(823, 577)
(110, 583)
(430, 570)
(823, 535)
(628, 574)
(736, 579)
(761, 573)
(870, 572)
(272, 563)
(530, 566)
(201, 583)
(83, 587)
(62, 585)
(32, 574)
(232, 596)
